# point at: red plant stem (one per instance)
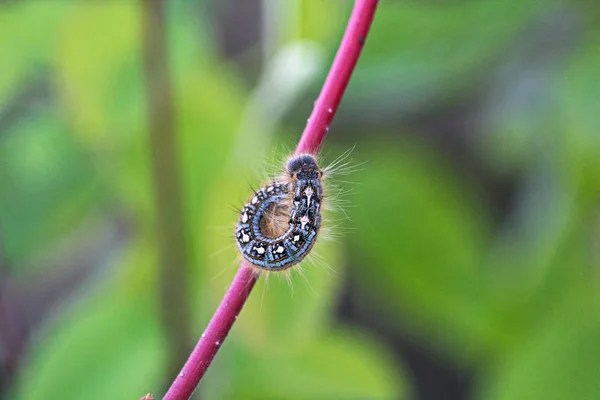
(214, 335)
(338, 77)
(310, 142)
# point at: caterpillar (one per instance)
(279, 226)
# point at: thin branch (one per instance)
(214, 335)
(170, 225)
(338, 77)
(310, 142)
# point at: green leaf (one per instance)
(418, 248)
(48, 184)
(28, 36)
(579, 122)
(419, 51)
(558, 361)
(99, 76)
(321, 21)
(340, 365)
(108, 347)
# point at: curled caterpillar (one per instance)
(279, 225)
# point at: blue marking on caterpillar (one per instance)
(300, 194)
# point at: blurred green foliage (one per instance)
(517, 301)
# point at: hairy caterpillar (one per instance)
(279, 226)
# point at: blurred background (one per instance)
(469, 267)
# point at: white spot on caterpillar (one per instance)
(254, 200)
(245, 218)
(303, 221)
(259, 250)
(309, 192)
(245, 238)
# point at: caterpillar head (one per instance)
(303, 167)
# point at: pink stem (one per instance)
(310, 142)
(214, 335)
(338, 77)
